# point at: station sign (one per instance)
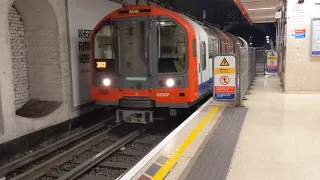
(272, 61)
(225, 78)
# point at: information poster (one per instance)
(315, 37)
(83, 15)
(299, 14)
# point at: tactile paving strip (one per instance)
(214, 160)
(152, 170)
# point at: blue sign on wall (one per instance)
(316, 53)
(300, 34)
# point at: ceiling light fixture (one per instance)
(261, 17)
(258, 9)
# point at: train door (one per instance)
(195, 25)
(204, 56)
(202, 46)
(135, 61)
(199, 58)
(198, 53)
(203, 60)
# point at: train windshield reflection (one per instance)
(171, 48)
(105, 43)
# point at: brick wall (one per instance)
(43, 53)
(44, 64)
(19, 58)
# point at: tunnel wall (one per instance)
(47, 65)
(19, 58)
(301, 69)
(1, 116)
(42, 38)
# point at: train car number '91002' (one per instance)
(162, 94)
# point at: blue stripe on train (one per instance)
(204, 87)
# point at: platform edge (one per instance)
(135, 169)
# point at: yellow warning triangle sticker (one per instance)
(224, 62)
(271, 54)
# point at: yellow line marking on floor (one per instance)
(164, 170)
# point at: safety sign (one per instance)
(224, 75)
(299, 34)
(224, 62)
(224, 80)
(272, 61)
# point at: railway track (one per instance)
(106, 154)
(103, 151)
(103, 159)
(26, 162)
(112, 166)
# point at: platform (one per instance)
(212, 131)
(273, 137)
(202, 145)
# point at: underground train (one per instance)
(147, 60)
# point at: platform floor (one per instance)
(277, 138)
(280, 138)
(213, 161)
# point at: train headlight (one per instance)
(106, 82)
(170, 82)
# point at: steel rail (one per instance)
(79, 170)
(44, 167)
(49, 149)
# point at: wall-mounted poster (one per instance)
(83, 15)
(315, 37)
(298, 14)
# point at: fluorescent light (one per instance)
(258, 9)
(261, 17)
(257, 22)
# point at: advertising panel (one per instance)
(315, 37)
(83, 15)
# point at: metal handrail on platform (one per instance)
(246, 70)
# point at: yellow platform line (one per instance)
(164, 170)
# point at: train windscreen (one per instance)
(133, 44)
(134, 39)
(105, 48)
(171, 47)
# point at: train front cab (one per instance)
(143, 58)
